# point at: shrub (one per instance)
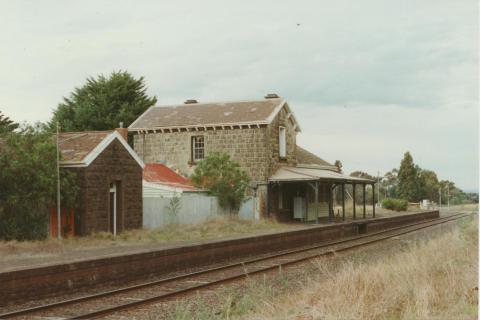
(28, 182)
(395, 204)
(223, 178)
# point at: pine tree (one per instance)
(6, 124)
(407, 179)
(102, 103)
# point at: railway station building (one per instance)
(288, 182)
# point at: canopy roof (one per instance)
(285, 174)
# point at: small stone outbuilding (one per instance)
(109, 176)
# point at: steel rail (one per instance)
(130, 305)
(220, 268)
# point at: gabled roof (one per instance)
(212, 114)
(79, 149)
(160, 174)
(306, 158)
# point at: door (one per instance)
(113, 209)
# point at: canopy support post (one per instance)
(364, 201)
(373, 199)
(354, 204)
(343, 201)
(330, 203)
(267, 196)
(316, 201)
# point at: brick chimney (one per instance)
(123, 131)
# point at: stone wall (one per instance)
(255, 149)
(246, 146)
(114, 165)
(273, 142)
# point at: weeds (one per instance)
(211, 229)
(425, 279)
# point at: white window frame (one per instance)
(198, 146)
(282, 142)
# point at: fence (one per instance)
(191, 208)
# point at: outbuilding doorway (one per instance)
(113, 208)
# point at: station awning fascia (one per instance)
(292, 174)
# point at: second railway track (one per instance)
(105, 303)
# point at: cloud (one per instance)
(410, 60)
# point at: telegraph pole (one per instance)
(440, 194)
(448, 197)
(59, 221)
(378, 183)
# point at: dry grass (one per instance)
(216, 228)
(469, 207)
(429, 279)
(379, 212)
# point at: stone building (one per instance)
(109, 177)
(259, 135)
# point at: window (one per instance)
(282, 142)
(198, 148)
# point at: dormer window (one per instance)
(282, 142)
(198, 148)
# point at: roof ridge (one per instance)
(214, 102)
(88, 131)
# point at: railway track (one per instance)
(105, 303)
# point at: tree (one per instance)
(428, 184)
(407, 179)
(451, 192)
(359, 193)
(223, 178)
(339, 165)
(390, 182)
(6, 124)
(28, 180)
(361, 174)
(102, 103)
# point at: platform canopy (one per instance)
(292, 174)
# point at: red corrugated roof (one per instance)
(159, 173)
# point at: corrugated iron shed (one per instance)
(160, 177)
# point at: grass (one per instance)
(379, 212)
(425, 279)
(215, 228)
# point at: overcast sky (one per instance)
(367, 80)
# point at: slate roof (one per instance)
(75, 146)
(161, 174)
(307, 158)
(208, 114)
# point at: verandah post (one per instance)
(354, 204)
(364, 201)
(373, 198)
(316, 200)
(330, 203)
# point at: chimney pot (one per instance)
(272, 96)
(123, 132)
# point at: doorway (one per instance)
(113, 208)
